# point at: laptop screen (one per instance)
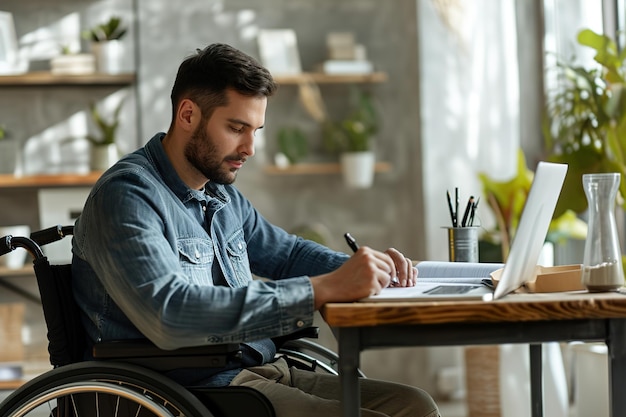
(533, 227)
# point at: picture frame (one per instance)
(278, 49)
(9, 52)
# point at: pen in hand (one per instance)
(355, 247)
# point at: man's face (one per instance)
(219, 148)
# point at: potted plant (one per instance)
(106, 45)
(352, 138)
(104, 151)
(506, 200)
(585, 121)
(292, 146)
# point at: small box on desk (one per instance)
(549, 279)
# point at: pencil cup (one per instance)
(463, 244)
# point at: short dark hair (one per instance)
(205, 76)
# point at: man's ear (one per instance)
(188, 115)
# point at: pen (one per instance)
(452, 215)
(351, 242)
(470, 203)
(471, 218)
(456, 209)
(355, 247)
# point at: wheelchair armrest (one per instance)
(308, 332)
(145, 353)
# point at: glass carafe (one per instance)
(602, 263)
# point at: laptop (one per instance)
(522, 260)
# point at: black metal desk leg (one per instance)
(349, 356)
(536, 381)
(616, 342)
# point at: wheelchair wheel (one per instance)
(103, 389)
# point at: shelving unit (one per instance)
(48, 79)
(49, 180)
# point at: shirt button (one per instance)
(299, 323)
(197, 255)
(240, 246)
(204, 208)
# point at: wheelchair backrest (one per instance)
(66, 336)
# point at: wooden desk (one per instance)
(518, 318)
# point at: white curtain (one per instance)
(469, 104)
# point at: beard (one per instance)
(202, 154)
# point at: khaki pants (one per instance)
(297, 393)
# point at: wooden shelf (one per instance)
(49, 180)
(47, 79)
(321, 78)
(318, 169)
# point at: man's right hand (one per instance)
(366, 273)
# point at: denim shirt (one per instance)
(153, 258)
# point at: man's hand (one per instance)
(406, 272)
(366, 273)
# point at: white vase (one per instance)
(103, 157)
(358, 169)
(110, 56)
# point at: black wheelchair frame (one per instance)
(125, 378)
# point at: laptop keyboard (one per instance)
(451, 289)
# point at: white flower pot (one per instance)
(358, 169)
(103, 157)
(110, 56)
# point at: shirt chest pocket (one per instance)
(196, 257)
(238, 256)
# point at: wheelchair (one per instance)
(126, 378)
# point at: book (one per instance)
(456, 272)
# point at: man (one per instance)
(166, 247)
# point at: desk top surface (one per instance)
(512, 308)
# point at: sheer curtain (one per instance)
(469, 104)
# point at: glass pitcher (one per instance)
(602, 263)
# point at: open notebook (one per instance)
(472, 281)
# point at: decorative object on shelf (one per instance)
(585, 120)
(107, 45)
(10, 60)
(104, 151)
(9, 152)
(293, 144)
(350, 138)
(345, 56)
(70, 63)
(278, 49)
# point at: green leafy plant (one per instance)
(356, 132)
(292, 142)
(112, 29)
(506, 200)
(585, 121)
(107, 128)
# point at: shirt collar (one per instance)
(156, 153)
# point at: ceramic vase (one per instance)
(358, 169)
(103, 157)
